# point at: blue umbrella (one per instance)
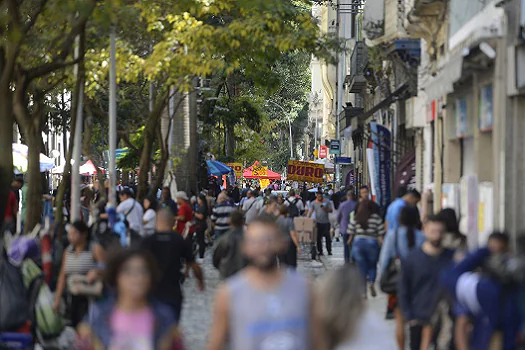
(217, 168)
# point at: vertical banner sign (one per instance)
(323, 151)
(264, 183)
(237, 168)
(381, 144)
(305, 171)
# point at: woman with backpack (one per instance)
(398, 243)
(82, 258)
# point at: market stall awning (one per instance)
(259, 171)
(88, 169)
(217, 168)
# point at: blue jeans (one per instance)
(347, 248)
(365, 252)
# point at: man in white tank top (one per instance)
(264, 307)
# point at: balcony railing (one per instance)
(358, 63)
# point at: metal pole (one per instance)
(113, 119)
(75, 172)
(291, 139)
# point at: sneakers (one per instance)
(373, 292)
(330, 253)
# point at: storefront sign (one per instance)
(259, 170)
(305, 172)
(486, 112)
(382, 156)
(237, 168)
(335, 147)
(323, 151)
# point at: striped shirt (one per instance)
(375, 229)
(79, 262)
(221, 216)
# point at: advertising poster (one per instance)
(486, 111)
(305, 171)
(461, 118)
(237, 168)
(259, 170)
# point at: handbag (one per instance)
(14, 306)
(388, 281)
(78, 285)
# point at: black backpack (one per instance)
(293, 211)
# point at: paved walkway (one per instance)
(198, 306)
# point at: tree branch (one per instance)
(125, 138)
(58, 62)
(39, 9)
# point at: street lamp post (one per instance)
(289, 126)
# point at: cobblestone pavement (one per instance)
(198, 306)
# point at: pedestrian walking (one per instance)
(170, 250)
(271, 208)
(489, 285)
(221, 215)
(150, 215)
(227, 255)
(131, 320)
(286, 225)
(412, 197)
(346, 208)
(167, 202)
(132, 211)
(419, 289)
(201, 223)
(264, 307)
(321, 207)
(82, 257)
(366, 230)
(397, 244)
(347, 322)
(184, 214)
(295, 204)
(251, 206)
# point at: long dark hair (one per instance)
(364, 212)
(410, 219)
(448, 215)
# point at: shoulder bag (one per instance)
(389, 278)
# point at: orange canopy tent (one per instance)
(258, 171)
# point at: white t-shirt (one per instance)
(135, 215)
(149, 218)
(251, 207)
(366, 335)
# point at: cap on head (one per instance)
(181, 195)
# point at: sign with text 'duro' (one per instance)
(305, 171)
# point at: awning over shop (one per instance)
(385, 103)
(443, 83)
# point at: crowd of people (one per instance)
(134, 258)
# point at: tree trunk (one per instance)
(229, 131)
(147, 150)
(164, 156)
(34, 180)
(6, 141)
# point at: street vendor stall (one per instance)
(261, 172)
